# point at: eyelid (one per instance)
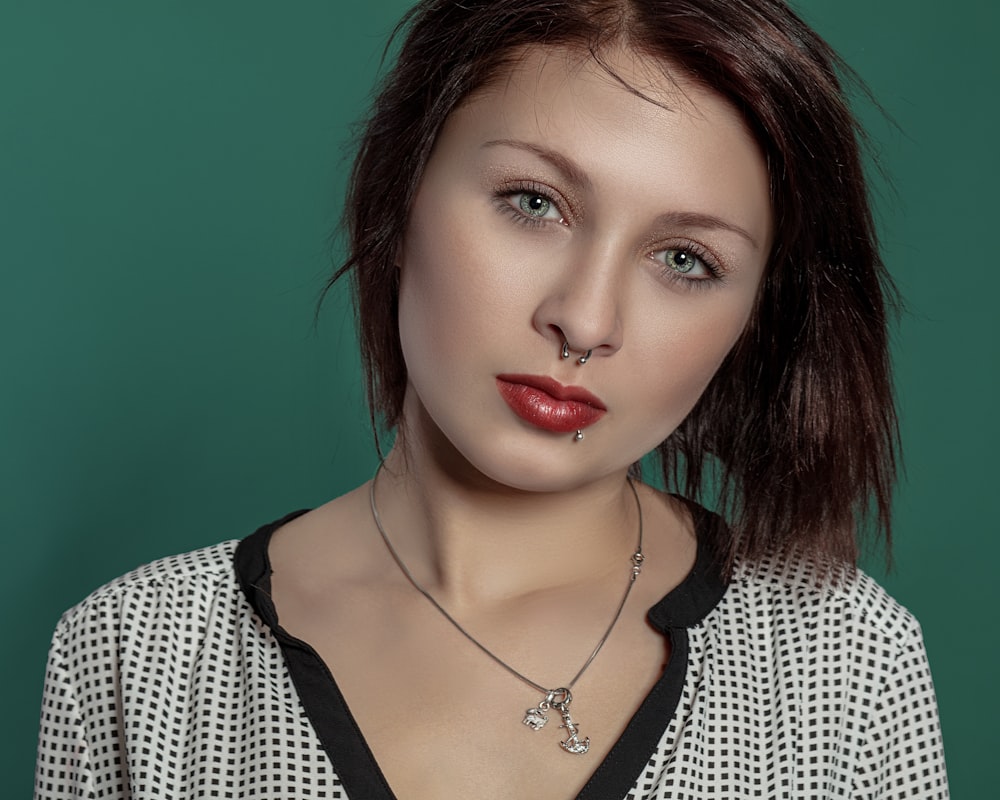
(514, 187)
(527, 169)
(714, 264)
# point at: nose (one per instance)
(582, 304)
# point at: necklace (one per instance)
(552, 699)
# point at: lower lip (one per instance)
(546, 412)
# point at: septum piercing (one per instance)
(581, 360)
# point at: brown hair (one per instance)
(796, 435)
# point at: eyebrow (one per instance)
(569, 169)
(573, 173)
(694, 219)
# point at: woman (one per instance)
(580, 231)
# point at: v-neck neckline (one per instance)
(341, 737)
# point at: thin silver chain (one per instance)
(637, 559)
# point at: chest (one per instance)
(441, 718)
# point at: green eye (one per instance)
(680, 260)
(534, 205)
(686, 264)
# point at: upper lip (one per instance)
(559, 391)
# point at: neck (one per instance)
(470, 540)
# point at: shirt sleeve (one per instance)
(904, 755)
(63, 769)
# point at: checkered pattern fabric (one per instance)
(167, 684)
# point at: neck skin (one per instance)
(470, 540)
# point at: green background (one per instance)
(170, 176)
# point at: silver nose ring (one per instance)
(581, 360)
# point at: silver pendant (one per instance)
(558, 699)
(572, 744)
(535, 718)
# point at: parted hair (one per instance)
(794, 440)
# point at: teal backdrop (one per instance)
(170, 177)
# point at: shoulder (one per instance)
(836, 648)
(177, 587)
(799, 588)
(826, 645)
(790, 621)
(790, 592)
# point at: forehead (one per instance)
(554, 77)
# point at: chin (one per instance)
(514, 456)
(556, 464)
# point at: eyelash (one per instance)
(712, 264)
(505, 205)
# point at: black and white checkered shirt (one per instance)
(174, 681)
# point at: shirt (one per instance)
(176, 681)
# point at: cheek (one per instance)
(685, 351)
(464, 285)
(452, 298)
(428, 324)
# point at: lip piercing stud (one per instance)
(578, 437)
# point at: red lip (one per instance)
(547, 404)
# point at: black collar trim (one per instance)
(341, 736)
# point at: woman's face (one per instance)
(557, 206)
